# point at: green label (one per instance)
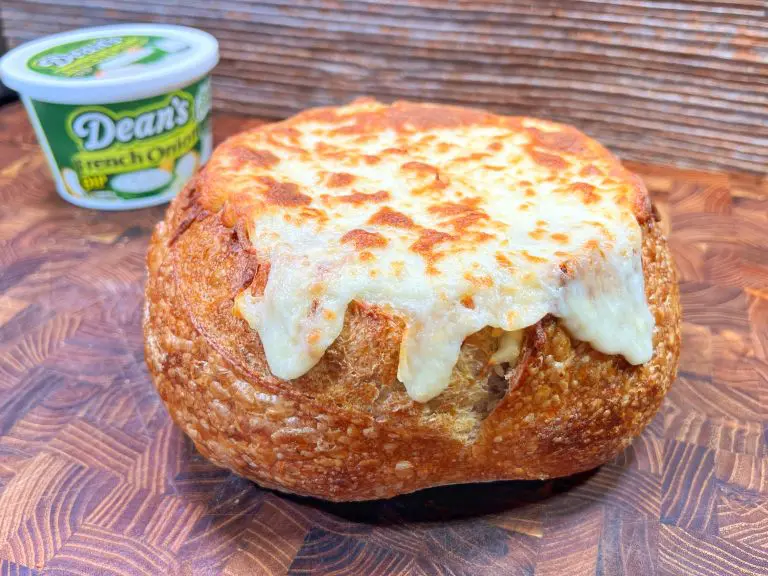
(130, 149)
(106, 57)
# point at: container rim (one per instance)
(152, 81)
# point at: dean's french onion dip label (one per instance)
(106, 57)
(133, 149)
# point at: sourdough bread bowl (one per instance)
(368, 300)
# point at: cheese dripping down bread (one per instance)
(451, 219)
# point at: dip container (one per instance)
(121, 112)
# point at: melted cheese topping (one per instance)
(510, 345)
(452, 219)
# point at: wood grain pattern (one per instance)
(681, 82)
(94, 478)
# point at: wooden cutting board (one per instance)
(94, 479)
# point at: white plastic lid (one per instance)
(109, 63)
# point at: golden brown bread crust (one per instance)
(347, 430)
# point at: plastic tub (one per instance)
(121, 112)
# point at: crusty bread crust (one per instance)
(347, 430)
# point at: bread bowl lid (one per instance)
(109, 64)
(452, 219)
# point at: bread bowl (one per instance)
(368, 300)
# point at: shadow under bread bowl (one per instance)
(236, 293)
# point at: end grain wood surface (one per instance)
(94, 478)
(675, 82)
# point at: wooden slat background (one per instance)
(671, 82)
